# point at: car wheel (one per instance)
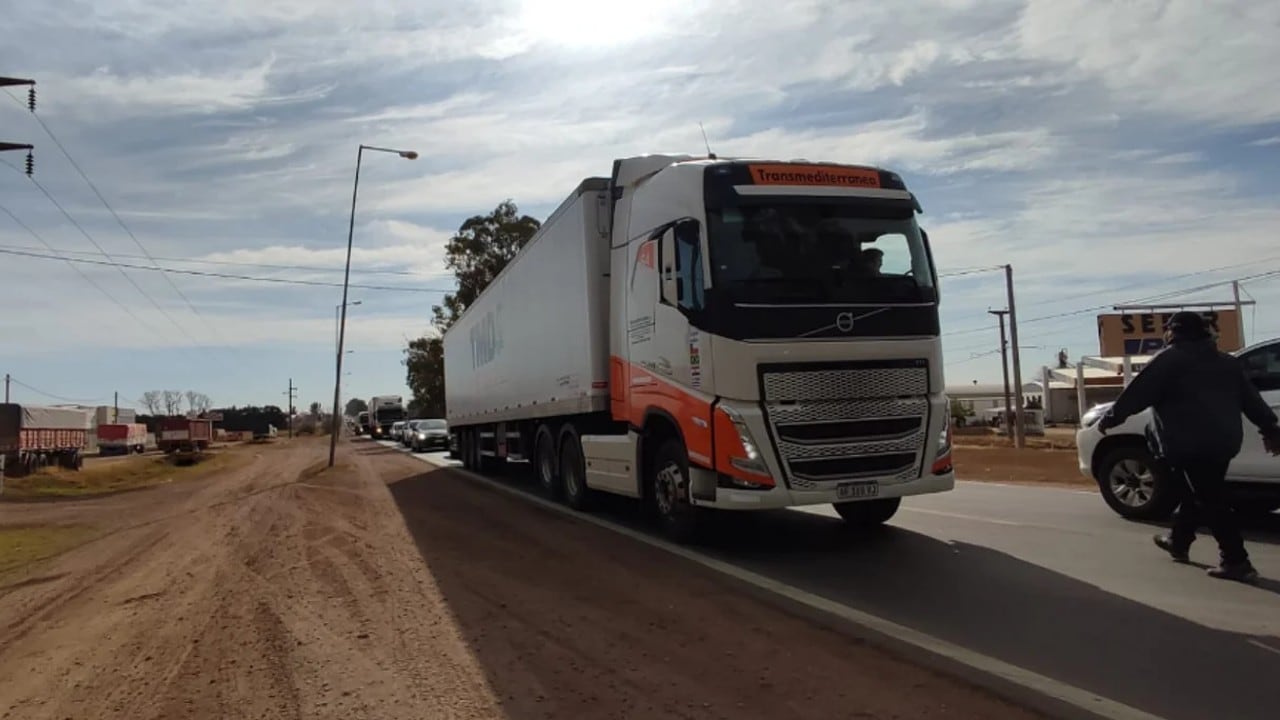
(1135, 486)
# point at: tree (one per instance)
(172, 402)
(424, 360)
(355, 406)
(481, 248)
(315, 409)
(152, 401)
(198, 401)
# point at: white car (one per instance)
(1136, 488)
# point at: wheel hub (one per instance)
(666, 489)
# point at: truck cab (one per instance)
(781, 327)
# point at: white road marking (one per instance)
(1264, 646)
(1090, 703)
(962, 516)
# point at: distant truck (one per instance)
(34, 437)
(122, 438)
(362, 423)
(711, 333)
(384, 410)
(184, 436)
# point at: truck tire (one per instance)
(668, 486)
(77, 460)
(573, 472)
(466, 443)
(1135, 486)
(546, 468)
(868, 513)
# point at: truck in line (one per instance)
(362, 423)
(33, 437)
(384, 411)
(122, 438)
(704, 333)
(184, 437)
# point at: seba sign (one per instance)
(1143, 333)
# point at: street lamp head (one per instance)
(409, 154)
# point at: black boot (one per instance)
(1165, 543)
(1242, 571)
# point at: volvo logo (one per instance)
(844, 322)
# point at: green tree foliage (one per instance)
(481, 248)
(355, 406)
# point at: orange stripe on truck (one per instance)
(635, 390)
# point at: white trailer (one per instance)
(714, 334)
(535, 344)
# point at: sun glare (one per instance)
(578, 24)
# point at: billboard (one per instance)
(1142, 333)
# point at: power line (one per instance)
(38, 391)
(107, 255)
(235, 263)
(225, 276)
(1152, 298)
(80, 272)
(115, 215)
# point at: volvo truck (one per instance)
(705, 333)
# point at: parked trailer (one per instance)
(705, 333)
(184, 435)
(35, 437)
(122, 438)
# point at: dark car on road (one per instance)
(429, 434)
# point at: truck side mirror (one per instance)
(669, 264)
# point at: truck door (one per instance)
(1262, 366)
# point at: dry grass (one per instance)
(118, 476)
(22, 545)
(1003, 463)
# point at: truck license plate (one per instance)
(850, 491)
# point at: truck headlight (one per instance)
(747, 457)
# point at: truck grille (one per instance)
(851, 421)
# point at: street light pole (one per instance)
(346, 278)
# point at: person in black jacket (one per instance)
(1198, 395)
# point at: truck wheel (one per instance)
(1135, 486)
(466, 444)
(868, 513)
(573, 473)
(669, 491)
(77, 461)
(544, 462)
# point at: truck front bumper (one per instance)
(783, 497)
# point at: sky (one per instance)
(1109, 152)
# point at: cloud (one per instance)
(1089, 144)
(1202, 62)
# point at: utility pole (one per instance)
(6, 388)
(31, 105)
(115, 408)
(1235, 294)
(1004, 369)
(1019, 428)
(293, 393)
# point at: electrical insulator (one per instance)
(31, 98)
(31, 163)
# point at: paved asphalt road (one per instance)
(1048, 579)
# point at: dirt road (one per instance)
(280, 591)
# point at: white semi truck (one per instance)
(384, 411)
(711, 333)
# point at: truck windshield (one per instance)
(819, 252)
